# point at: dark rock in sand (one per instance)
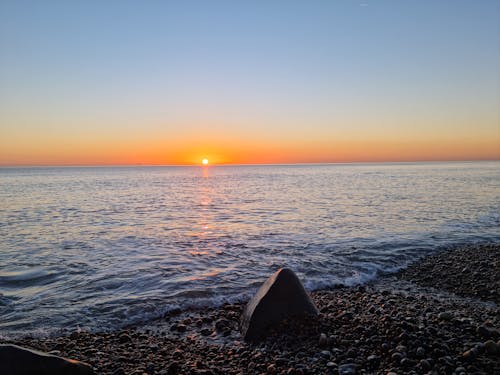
(16, 360)
(281, 296)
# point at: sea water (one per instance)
(99, 248)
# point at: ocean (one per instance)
(99, 248)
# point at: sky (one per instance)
(171, 82)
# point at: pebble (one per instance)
(420, 352)
(397, 357)
(323, 340)
(280, 361)
(271, 369)
(326, 354)
(181, 328)
(221, 324)
(424, 365)
(445, 316)
(123, 338)
(206, 331)
(173, 368)
(491, 347)
(406, 363)
(401, 349)
(469, 354)
(484, 331)
(347, 369)
(373, 361)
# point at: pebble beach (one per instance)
(440, 315)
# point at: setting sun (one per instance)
(204, 161)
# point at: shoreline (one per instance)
(439, 314)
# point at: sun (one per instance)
(204, 161)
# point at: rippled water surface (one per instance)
(98, 248)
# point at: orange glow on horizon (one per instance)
(204, 161)
(219, 151)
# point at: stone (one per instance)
(348, 369)
(401, 349)
(16, 360)
(271, 369)
(425, 365)
(323, 341)
(469, 354)
(484, 331)
(447, 316)
(325, 354)
(173, 368)
(491, 347)
(222, 325)
(281, 296)
(206, 332)
(407, 363)
(281, 361)
(181, 328)
(123, 338)
(420, 352)
(397, 357)
(373, 361)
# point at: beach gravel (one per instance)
(438, 316)
(465, 271)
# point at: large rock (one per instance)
(281, 296)
(15, 360)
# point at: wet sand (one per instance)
(440, 315)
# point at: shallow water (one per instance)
(99, 248)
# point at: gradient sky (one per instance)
(158, 82)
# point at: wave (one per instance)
(28, 277)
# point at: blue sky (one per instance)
(270, 71)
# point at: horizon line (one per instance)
(83, 165)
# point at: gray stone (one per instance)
(491, 347)
(326, 354)
(16, 360)
(281, 296)
(348, 369)
(420, 352)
